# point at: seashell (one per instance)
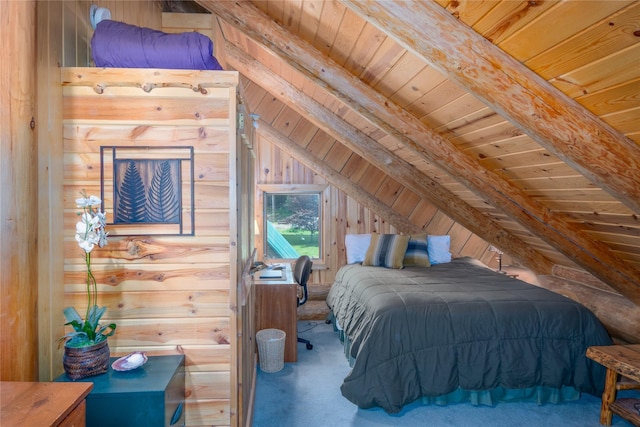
(130, 362)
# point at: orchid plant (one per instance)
(90, 231)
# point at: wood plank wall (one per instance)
(344, 215)
(64, 34)
(167, 294)
(214, 378)
(18, 194)
(243, 353)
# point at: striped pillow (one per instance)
(386, 250)
(417, 254)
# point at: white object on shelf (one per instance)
(97, 14)
(130, 362)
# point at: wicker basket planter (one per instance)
(82, 362)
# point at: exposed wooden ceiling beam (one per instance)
(383, 159)
(594, 256)
(558, 123)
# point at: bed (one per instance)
(459, 331)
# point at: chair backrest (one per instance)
(301, 272)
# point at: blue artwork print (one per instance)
(147, 191)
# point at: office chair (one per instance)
(301, 272)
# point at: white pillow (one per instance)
(438, 249)
(356, 245)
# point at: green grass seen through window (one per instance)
(303, 242)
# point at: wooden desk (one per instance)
(276, 307)
(43, 404)
(619, 360)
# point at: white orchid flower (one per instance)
(85, 245)
(84, 202)
(87, 223)
(83, 226)
(90, 229)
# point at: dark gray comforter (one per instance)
(428, 331)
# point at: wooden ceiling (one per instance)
(520, 119)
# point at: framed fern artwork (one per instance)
(148, 190)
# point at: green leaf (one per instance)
(72, 315)
(95, 314)
(102, 330)
(75, 325)
(76, 336)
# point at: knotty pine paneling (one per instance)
(167, 294)
(184, 22)
(64, 33)
(157, 268)
(586, 53)
(208, 412)
(77, 31)
(347, 216)
(19, 208)
(158, 305)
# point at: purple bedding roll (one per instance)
(116, 44)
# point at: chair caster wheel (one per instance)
(309, 346)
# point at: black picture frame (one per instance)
(148, 190)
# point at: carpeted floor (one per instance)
(307, 394)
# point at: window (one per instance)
(292, 222)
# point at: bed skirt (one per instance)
(539, 394)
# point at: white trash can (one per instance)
(271, 349)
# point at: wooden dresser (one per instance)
(43, 404)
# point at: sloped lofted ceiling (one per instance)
(519, 119)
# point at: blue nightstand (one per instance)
(150, 396)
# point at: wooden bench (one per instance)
(623, 373)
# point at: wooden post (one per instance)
(608, 397)
(19, 201)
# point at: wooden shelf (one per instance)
(626, 409)
(623, 373)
